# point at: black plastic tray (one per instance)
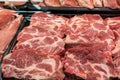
(25, 22)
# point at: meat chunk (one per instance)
(89, 63)
(28, 64)
(89, 28)
(70, 3)
(86, 3)
(111, 4)
(53, 3)
(9, 24)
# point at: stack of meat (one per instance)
(9, 23)
(82, 3)
(91, 48)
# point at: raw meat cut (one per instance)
(114, 24)
(36, 54)
(40, 39)
(54, 3)
(86, 45)
(89, 28)
(9, 24)
(86, 3)
(97, 3)
(89, 63)
(28, 64)
(111, 4)
(71, 3)
(56, 24)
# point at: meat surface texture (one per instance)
(72, 3)
(97, 3)
(33, 65)
(114, 24)
(55, 24)
(86, 46)
(89, 63)
(89, 28)
(86, 3)
(111, 4)
(40, 39)
(41, 48)
(9, 24)
(114, 4)
(54, 3)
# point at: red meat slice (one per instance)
(89, 29)
(37, 52)
(89, 63)
(28, 64)
(114, 24)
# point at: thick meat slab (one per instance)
(53, 3)
(56, 24)
(69, 3)
(9, 23)
(86, 3)
(89, 63)
(28, 64)
(89, 28)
